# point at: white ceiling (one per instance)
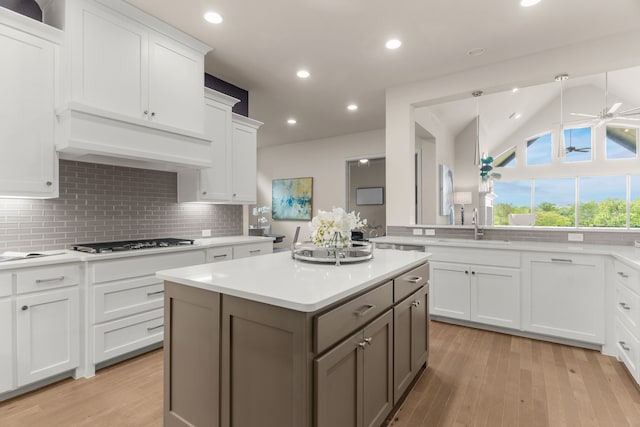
(261, 44)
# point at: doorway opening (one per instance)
(366, 193)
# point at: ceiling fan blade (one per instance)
(627, 118)
(584, 115)
(629, 111)
(614, 108)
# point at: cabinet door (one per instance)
(410, 329)
(215, 182)
(495, 296)
(450, 290)
(377, 371)
(563, 296)
(28, 162)
(339, 384)
(176, 84)
(47, 327)
(244, 163)
(110, 63)
(6, 349)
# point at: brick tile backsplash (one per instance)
(102, 203)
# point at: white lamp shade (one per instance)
(462, 197)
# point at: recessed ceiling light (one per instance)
(213, 17)
(292, 121)
(303, 74)
(528, 3)
(393, 44)
(476, 51)
(352, 107)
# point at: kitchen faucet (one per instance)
(478, 233)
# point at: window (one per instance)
(577, 144)
(634, 208)
(555, 202)
(603, 201)
(512, 197)
(506, 159)
(539, 150)
(621, 142)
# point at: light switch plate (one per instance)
(206, 233)
(417, 231)
(575, 237)
(429, 232)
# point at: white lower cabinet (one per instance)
(489, 295)
(6, 349)
(563, 296)
(48, 334)
(626, 316)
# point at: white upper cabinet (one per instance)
(28, 161)
(232, 179)
(133, 86)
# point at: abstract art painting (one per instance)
(292, 198)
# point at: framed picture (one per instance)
(370, 196)
(292, 199)
(446, 190)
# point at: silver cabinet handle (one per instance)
(561, 260)
(219, 256)
(413, 279)
(52, 279)
(364, 310)
(362, 344)
(625, 306)
(152, 328)
(416, 303)
(368, 340)
(623, 275)
(255, 251)
(624, 346)
(154, 293)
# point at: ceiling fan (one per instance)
(573, 149)
(609, 113)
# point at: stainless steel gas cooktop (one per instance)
(129, 245)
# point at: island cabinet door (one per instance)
(354, 380)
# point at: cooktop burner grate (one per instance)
(128, 245)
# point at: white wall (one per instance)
(592, 57)
(325, 161)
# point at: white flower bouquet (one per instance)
(333, 228)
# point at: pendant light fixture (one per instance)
(476, 157)
(561, 146)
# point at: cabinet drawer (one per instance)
(219, 254)
(50, 277)
(129, 334)
(243, 251)
(346, 318)
(627, 275)
(143, 265)
(628, 349)
(410, 282)
(627, 307)
(5, 284)
(119, 299)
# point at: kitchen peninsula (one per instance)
(281, 342)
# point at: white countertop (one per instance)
(277, 279)
(67, 255)
(627, 254)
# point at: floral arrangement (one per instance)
(333, 228)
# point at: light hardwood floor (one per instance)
(475, 378)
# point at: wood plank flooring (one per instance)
(475, 378)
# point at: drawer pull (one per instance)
(364, 310)
(561, 260)
(219, 256)
(416, 303)
(624, 345)
(413, 279)
(368, 340)
(53, 279)
(153, 328)
(362, 345)
(255, 251)
(155, 293)
(24, 308)
(625, 306)
(623, 274)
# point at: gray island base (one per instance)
(343, 350)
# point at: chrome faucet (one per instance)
(478, 233)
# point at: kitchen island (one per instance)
(272, 341)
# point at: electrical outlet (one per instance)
(429, 232)
(417, 231)
(575, 237)
(206, 233)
